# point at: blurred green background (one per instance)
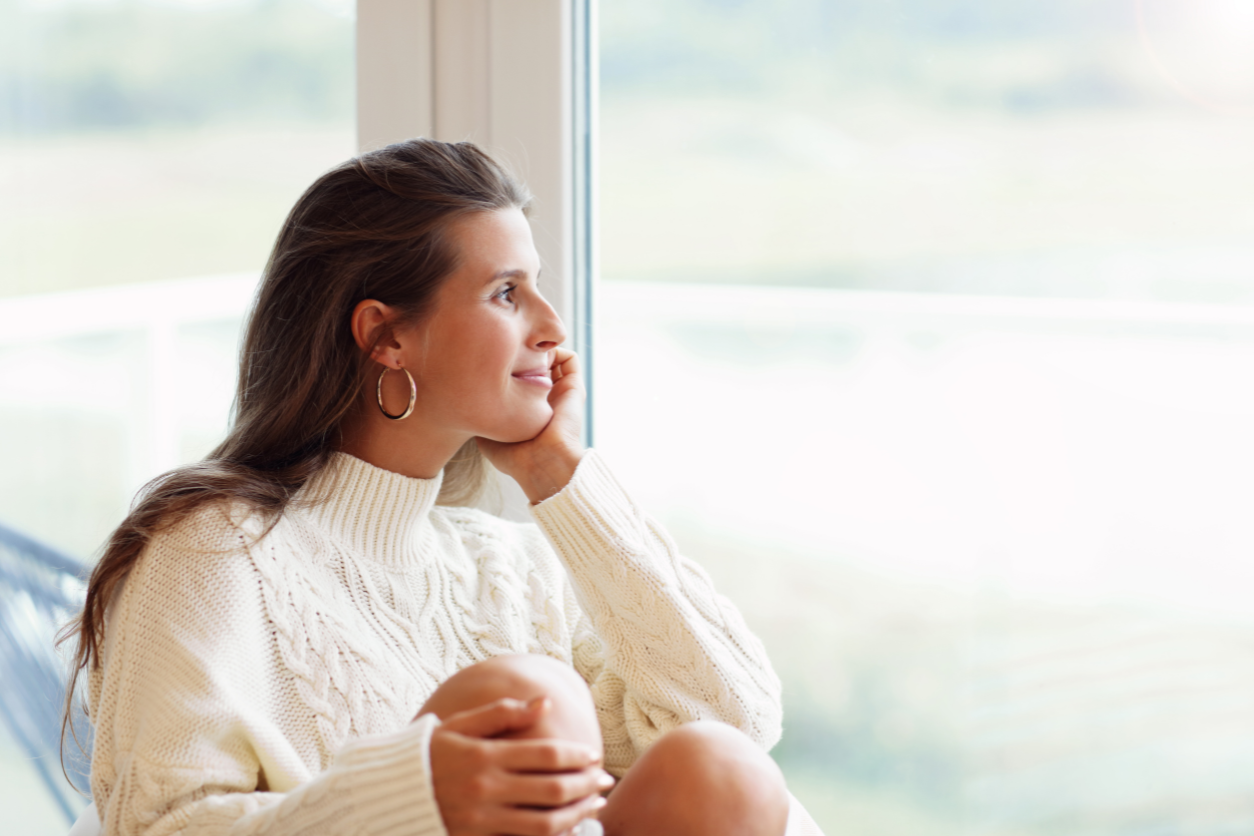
(1020, 147)
(143, 141)
(1085, 148)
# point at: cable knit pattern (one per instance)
(267, 684)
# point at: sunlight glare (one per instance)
(1204, 49)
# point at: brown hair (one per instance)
(372, 228)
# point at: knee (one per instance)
(571, 715)
(723, 781)
(528, 671)
(524, 676)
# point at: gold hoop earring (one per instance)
(413, 395)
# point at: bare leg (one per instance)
(572, 716)
(702, 779)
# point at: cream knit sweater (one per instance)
(267, 685)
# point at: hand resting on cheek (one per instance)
(543, 465)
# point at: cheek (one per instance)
(470, 374)
(480, 372)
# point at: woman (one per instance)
(308, 632)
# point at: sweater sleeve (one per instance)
(193, 730)
(657, 644)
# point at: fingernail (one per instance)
(536, 702)
(599, 803)
(605, 781)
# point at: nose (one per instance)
(547, 331)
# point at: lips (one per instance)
(539, 376)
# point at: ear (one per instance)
(371, 323)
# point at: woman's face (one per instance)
(481, 359)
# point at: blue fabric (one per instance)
(40, 589)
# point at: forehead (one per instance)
(491, 242)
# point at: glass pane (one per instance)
(1093, 148)
(145, 149)
(927, 328)
(149, 151)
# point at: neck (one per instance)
(407, 447)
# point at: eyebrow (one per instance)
(508, 274)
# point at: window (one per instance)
(148, 154)
(150, 151)
(928, 327)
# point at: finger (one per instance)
(566, 379)
(556, 372)
(504, 715)
(545, 756)
(565, 361)
(554, 790)
(544, 822)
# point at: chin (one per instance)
(524, 428)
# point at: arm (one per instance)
(658, 645)
(375, 786)
(196, 728)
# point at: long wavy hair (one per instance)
(372, 228)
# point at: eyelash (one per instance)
(504, 293)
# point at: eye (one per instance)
(506, 294)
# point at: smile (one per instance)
(536, 378)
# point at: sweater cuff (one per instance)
(389, 781)
(591, 512)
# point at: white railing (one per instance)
(657, 378)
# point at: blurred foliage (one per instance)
(871, 671)
(1001, 147)
(67, 66)
(1018, 54)
(922, 708)
(73, 64)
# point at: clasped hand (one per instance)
(487, 785)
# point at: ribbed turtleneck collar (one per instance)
(380, 514)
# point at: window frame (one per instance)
(518, 78)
